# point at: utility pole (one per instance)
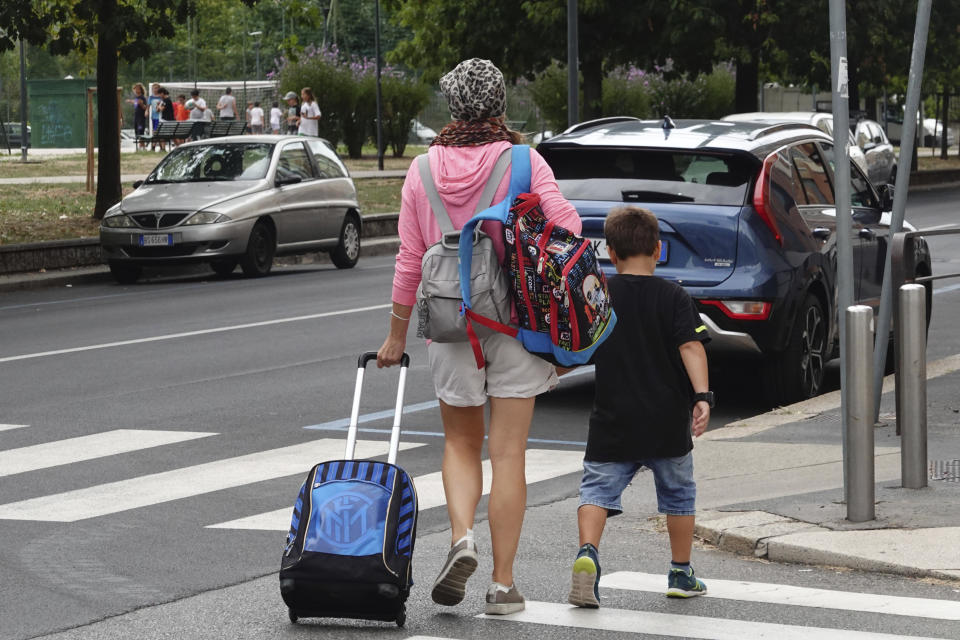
(573, 65)
(23, 102)
(376, 42)
(841, 138)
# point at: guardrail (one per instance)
(910, 308)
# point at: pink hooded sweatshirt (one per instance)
(460, 174)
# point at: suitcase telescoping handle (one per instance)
(355, 411)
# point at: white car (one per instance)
(819, 119)
(421, 133)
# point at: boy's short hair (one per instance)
(631, 231)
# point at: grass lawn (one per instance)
(142, 162)
(38, 212)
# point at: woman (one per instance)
(309, 114)
(462, 157)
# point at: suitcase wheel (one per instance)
(293, 616)
(402, 616)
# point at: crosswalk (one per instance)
(539, 616)
(195, 481)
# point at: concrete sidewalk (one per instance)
(916, 532)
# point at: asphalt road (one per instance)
(216, 395)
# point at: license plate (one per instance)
(156, 240)
(600, 248)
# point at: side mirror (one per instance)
(285, 180)
(137, 183)
(886, 197)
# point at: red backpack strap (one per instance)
(489, 324)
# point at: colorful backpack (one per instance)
(561, 294)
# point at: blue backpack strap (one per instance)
(519, 183)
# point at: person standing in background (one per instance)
(275, 116)
(256, 119)
(309, 114)
(155, 100)
(227, 105)
(180, 112)
(198, 113)
(167, 113)
(293, 111)
(139, 103)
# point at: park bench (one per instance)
(221, 128)
(170, 130)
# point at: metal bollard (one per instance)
(912, 411)
(858, 362)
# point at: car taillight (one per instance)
(742, 309)
(761, 197)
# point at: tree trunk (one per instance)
(109, 190)
(592, 69)
(945, 118)
(745, 92)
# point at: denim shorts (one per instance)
(603, 484)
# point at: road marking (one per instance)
(675, 625)
(97, 445)
(948, 289)
(10, 427)
(797, 596)
(188, 334)
(541, 464)
(186, 482)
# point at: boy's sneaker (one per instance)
(585, 585)
(683, 584)
(450, 586)
(502, 600)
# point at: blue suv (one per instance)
(747, 219)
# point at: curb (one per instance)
(370, 247)
(780, 539)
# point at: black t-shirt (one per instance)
(167, 113)
(642, 403)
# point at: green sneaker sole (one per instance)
(582, 584)
(681, 593)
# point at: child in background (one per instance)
(651, 397)
(276, 115)
(256, 119)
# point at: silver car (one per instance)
(881, 159)
(236, 200)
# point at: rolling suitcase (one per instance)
(350, 545)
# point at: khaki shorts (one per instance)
(511, 371)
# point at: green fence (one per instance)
(58, 113)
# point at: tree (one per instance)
(115, 29)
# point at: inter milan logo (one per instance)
(348, 519)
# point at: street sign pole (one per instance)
(573, 65)
(23, 103)
(907, 141)
(841, 138)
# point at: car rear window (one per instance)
(651, 175)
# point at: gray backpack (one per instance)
(438, 296)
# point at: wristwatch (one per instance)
(706, 396)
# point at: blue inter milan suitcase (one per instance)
(349, 550)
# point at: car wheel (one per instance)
(225, 267)
(125, 273)
(797, 372)
(258, 259)
(347, 252)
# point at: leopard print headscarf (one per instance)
(474, 90)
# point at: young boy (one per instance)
(651, 397)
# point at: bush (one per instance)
(345, 88)
(634, 92)
(402, 101)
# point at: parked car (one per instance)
(420, 133)
(881, 159)
(236, 200)
(819, 119)
(13, 133)
(747, 219)
(933, 133)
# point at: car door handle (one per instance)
(867, 234)
(821, 232)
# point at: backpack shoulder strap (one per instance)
(496, 177)
(433, 196)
